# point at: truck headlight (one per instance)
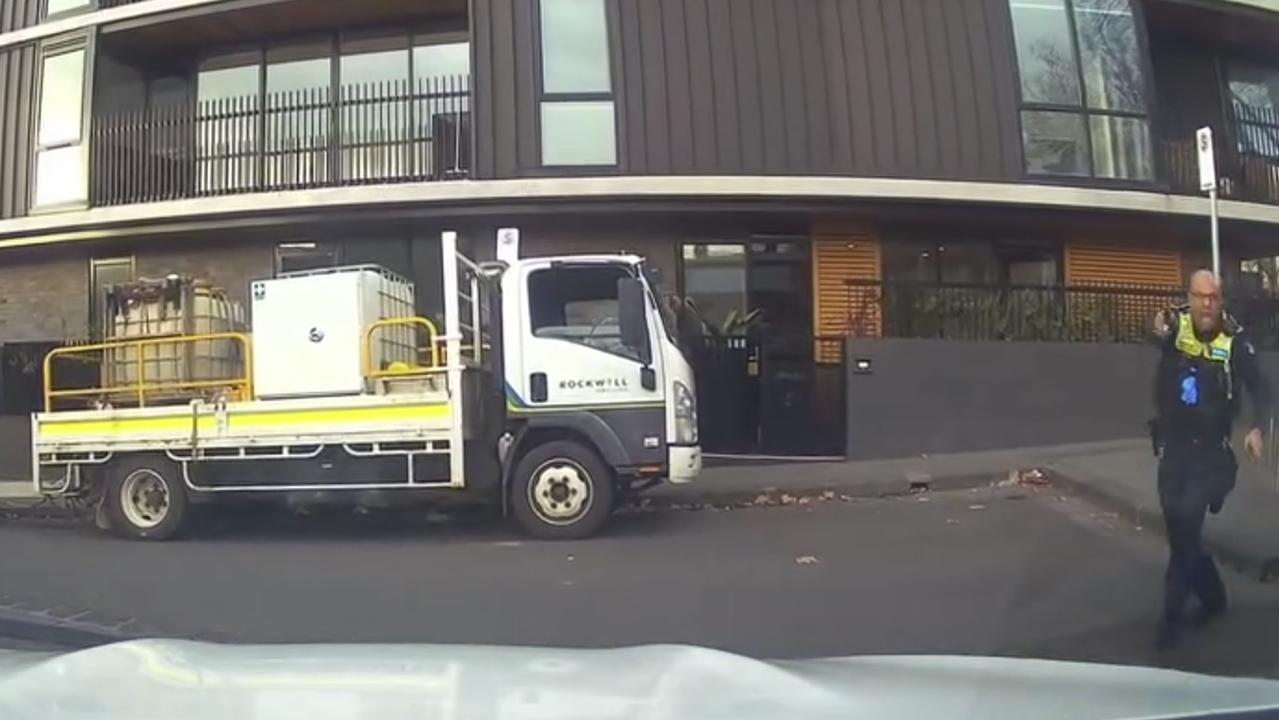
(685, 414)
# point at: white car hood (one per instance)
(170, 680)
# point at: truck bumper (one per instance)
(685, 463)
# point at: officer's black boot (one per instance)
(1169, 635)
(1210, 590)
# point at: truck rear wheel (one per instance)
(145, 498)
(562, 491)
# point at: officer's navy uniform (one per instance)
(1197, 394)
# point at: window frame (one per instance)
(83, 41)
(96, 330)
(45, 16)
(542, 96)
(1086, 113)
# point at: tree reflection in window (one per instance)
(1066, 45)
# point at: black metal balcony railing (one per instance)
(370, 133)
(1247, 160)
(1020, 312)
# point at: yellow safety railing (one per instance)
(432, 346)
(241, 386)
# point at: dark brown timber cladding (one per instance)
(17, 128)
(894, 88)
(18, 14)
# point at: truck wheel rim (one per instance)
(561, 492)
(144, 498)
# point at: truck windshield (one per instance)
(579, 303)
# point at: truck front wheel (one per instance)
(145, 498)
(562, 491)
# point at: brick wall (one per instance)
(44, 292)
(43, 295)
(229, 265)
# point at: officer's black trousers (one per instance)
(1192, 478)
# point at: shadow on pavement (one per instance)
(265, 521)
(1227, 647)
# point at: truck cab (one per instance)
(589, 358)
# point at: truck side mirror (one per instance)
(654, 275)
(633, 317)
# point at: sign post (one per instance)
(1208, 183)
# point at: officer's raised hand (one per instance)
(1253, 444)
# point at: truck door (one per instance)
(574, 354)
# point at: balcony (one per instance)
(1247, 160)
(389, 132)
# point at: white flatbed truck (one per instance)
(552, 386)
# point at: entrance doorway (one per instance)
(748, 327)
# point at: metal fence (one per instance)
(1013, 312)
(1247, 160)
(366, 133)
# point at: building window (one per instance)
(59, 7)
(1254, 99)
(227, 93)
(103, 274)
(971, 262)
(299, 256)
(715, 285)
(577, 115)
(438, 58)
(355, 107)
(60, 176)
(298, 110)
(1083, 89)
(399, 94)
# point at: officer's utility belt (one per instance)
(1210, 441)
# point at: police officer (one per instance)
(1206, 361)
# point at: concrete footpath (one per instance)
(1246, 532)
(1119, 475)
(732, 480)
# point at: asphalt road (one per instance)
(1007, 572)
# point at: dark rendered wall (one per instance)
(936, 396)
(18, 14)
(906, 88)
(17, 128)
(17, 104)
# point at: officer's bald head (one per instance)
(1204, 294)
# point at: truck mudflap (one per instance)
(685, 463)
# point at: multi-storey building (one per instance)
(798, 169)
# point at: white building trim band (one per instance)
(105, 221)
